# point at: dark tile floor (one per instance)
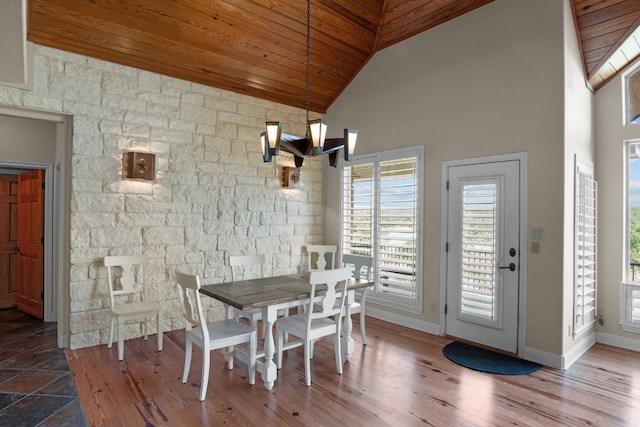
(36, 385)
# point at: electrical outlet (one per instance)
(535, 247)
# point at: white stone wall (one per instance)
(213, 196)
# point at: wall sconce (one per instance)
(290, 177)
(140, 165)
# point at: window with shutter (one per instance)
(584, 307)
(380, 218)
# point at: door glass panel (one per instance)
(479, 228)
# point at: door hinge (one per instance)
(42, 295)
(42, 240)
(446, 247)
(447, 185)
(43, 185)
(445, 309)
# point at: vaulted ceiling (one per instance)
(258, 47)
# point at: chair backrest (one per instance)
(362, 265)
(189, 292)
(245, 261)
(328, 307)
(317, 253)
(131, 276)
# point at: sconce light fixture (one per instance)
(140, 165)
(290, 177)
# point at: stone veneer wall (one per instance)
(213, 196)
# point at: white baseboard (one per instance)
(408, 322)
(618, 341)
(534, 355)
(576, 352)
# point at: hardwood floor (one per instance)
(400, 378)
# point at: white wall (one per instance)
(579, 141)
(213, 195)
(489, 82)
(611, 135)
(27, 140)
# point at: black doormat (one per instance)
(488, 361)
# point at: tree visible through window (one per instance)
(633, 273)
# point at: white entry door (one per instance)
(483, 257)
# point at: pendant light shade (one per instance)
(318, 133)
(274, 133)
(350, 138)
(266, 152)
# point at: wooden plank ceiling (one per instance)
(258, 47)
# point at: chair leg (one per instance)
(230, 355)
(113, 322)
(338, 349)
(279, 345)
(204, 382)
(264, 329)
(253, 346)
(120, 339)
(307, 361)
(187, 360)
(160, 334)
(363, 330)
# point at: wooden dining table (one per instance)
(272, 294)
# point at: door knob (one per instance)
(511, 267)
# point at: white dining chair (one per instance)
(317, 257)
(245, 263)
(362, 267)
(225, 333)
(125, 275)
(325, 319)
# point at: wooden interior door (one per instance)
(31, 243)
(8, 241)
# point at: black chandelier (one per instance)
(314, 142)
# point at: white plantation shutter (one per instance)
(479, 229)
(380, 218)
(358, 210)
(632, 297)
(585, 279)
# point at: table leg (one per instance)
(269, 370)
(347, 327)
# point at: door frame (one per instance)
(522, 271)
(57, 296)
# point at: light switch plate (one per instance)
(537, 234)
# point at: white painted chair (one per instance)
(246, 262)
(211, 336)
(362, 267)
(323, 321)
(317, 257)
(126, 291)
